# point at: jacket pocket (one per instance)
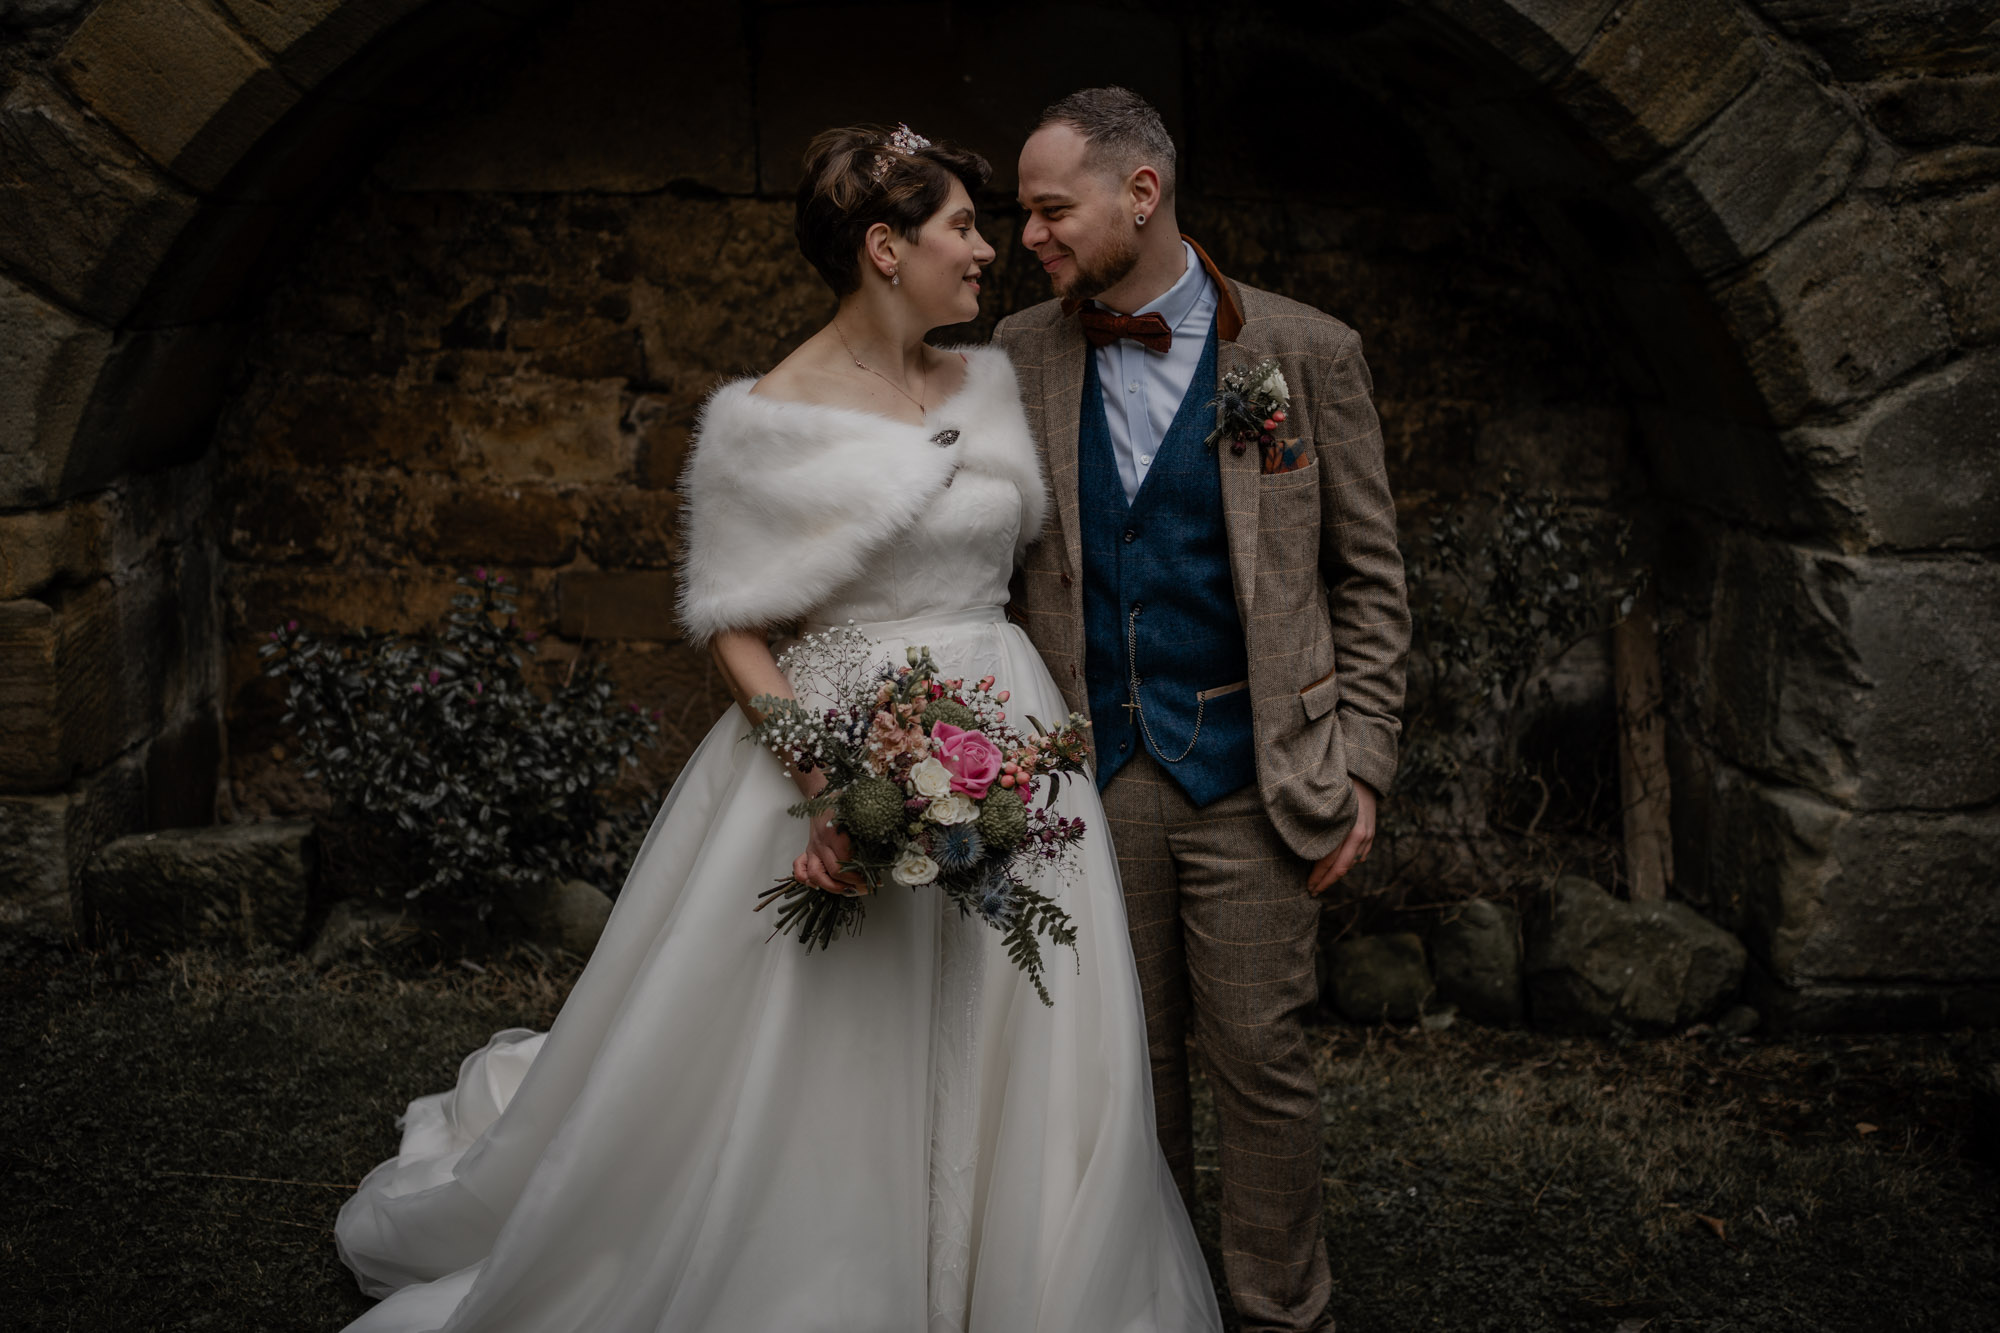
(1320, 696)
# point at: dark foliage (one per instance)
(445, 746)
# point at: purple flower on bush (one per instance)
(480, 573)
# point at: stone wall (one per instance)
(1777, 224)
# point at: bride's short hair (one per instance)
(855, 179)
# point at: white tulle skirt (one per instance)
(725, 1133)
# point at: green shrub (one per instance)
(444, 744)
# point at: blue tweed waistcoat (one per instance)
(1156, 581)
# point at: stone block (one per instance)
(628, 528)
(542, 432)
(1594, 961)
(1870, 38)
(1541, 38)
(63, 704)
(637, 605)
(1964, 234)
(1927, 643)
(662, 428)
(38, 13)
(1926, 110)
(90, 219)
(1942, 169)
(1477, 957)
(65, 543)
(178, 81)
(1658, 71)
(502, 525)
(233, 884)
(1781, 685)
(1767, 162)
(1869, 680)
(1837, 896)
(1922, 467)
(1381, 978)
(284, 518)
(1839, 310)
(49, 364)
(34, 859)
(564, 119)
(46, 839)
(310, 39)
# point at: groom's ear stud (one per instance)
(1139, 219)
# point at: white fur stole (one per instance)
(784, 502)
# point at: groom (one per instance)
(1233, 622)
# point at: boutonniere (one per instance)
(1250, 407)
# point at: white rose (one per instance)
(957, 808)
(1274, 385)
(914, 867)
(931, 778)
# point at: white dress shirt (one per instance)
(1143, 389)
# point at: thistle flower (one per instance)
(957, 847)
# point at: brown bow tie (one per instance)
(1149, 331)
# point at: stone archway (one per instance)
(1789, 211)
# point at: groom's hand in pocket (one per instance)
(1353, 849)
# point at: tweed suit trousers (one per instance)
(1223, 932)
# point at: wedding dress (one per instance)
(725, 1133)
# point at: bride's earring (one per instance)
(895, 278)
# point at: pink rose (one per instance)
(971, 759)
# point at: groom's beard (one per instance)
(1107, 272)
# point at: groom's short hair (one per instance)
(1122, 130)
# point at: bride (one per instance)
(724, 1132)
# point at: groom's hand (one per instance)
(1353, 848)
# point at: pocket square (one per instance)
(1285, 456)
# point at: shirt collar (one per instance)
(1176, 303)
(1228, 315)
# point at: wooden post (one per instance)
(1642, 752)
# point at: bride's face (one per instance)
(940, 272)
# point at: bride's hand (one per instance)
(819, 864)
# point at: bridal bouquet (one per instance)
(933, 786)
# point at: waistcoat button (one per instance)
(1131, 536)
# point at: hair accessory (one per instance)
(905, 140)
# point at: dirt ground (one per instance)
(181, 1130)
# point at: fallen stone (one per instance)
(1477, 957)
(1595, 961)
(234, 884)
(572, 917)
(1381, 978)
(1739, 1020)
(354, 929)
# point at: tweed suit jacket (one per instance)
(1313, 558)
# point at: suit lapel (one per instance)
(1239, 490)
(1062, 405)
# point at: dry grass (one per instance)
(182, 1130)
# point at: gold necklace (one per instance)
(921, 409)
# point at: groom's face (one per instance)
(1078, 223)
